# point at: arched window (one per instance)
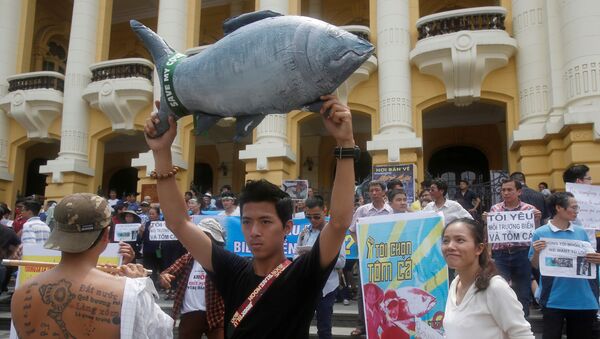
(55, 58)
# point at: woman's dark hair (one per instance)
(264, 191)
(558, 199)
(391, 194)
(156, 209)
(487, 268)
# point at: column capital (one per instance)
(393, 143)
(262, 152)
(147, 160)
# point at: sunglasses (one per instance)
(313, 216)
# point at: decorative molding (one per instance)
(35, 110)
(533, 102)
(462, 60)
(582, 80)
(120, 98)
(528, 18)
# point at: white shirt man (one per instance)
(451, 209)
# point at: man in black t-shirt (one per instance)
(468, 199)
(287, 307)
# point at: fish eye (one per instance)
(334, 31)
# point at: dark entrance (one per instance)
(203, 177)
(124, 181)
(461, 162)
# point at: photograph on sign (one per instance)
(566, 258)
(126, 232)
(297, 189)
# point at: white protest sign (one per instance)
(566, 258)
(510, 227)
(160, 232)
(588, 200)
(126, 232)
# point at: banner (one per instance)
(297, 189)
(404, 276)
(509, 227)
(405, 173)
(37, 252)
(126, 232)
(566, 258)
(588, 200)
(234, 237)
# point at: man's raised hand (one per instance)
(339, 120)
(162, 143)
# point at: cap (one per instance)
(213, 227)
(144, 204)
(79, 218)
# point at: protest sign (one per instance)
(159, 232)
(126, 232)
(566, 258)
(510, 227)
(404, 276)
(403, 172)
(297, 189)
(588, 200)
(37, 252)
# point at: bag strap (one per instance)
(258, 292)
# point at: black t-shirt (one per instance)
(466, 201)
(288, 306)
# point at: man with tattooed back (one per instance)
(75, 299)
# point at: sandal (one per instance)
(357, 332)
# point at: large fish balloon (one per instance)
(267, 63)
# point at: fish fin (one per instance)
(245, 124)
(203, 122)
(155, 44)
(231, 24)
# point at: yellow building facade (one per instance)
(457, 88)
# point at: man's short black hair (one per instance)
(393, 193)
(377, 183)
(264, 191)
(518, 184)
(32, 205)
(575, 172)
(394, 182)
(543, 183)
(519, 176)
(559, 199)
(313, 202)
(440, 184)
(463, 180)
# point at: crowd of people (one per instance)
(220, 294)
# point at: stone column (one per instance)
(396, 129)
(172, 26)
(73, 155)
(271, 135)
(10, 15)
(580, 28)
(530, 30)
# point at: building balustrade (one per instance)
(122, 68)
(471, 19)
(36, 80)
(360, 31)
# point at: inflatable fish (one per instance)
(267, 63)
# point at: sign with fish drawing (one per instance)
(404, 276)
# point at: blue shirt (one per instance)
(565, 293)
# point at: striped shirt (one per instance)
(35, 231)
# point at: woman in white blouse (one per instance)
(480, 302)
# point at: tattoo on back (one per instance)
(58, 296)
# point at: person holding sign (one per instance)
(75, 299)
(511, 257)
(268, 297)
(480, 301)
(574, 299)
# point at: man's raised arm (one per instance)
(171, 199)
(339, 125)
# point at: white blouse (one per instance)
(493, 313)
